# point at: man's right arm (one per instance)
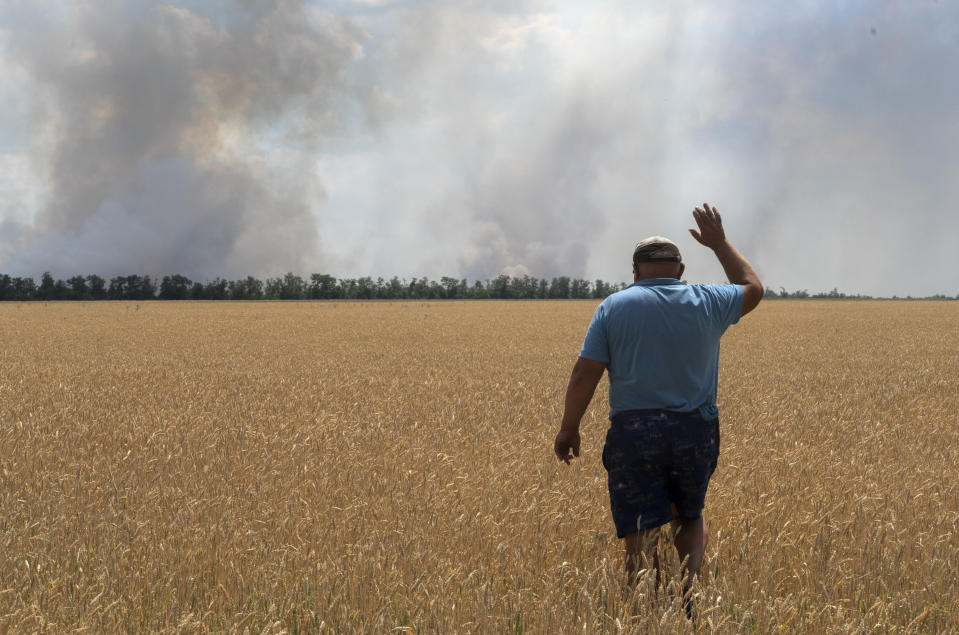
(737, 268)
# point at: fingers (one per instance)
(702, 220)
(713, 212)
(707, 216)
(710, 213)
(711, 233)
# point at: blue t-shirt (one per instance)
(660, 339)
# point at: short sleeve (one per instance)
(596, 344)
(728, 300)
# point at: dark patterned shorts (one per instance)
(655, 459)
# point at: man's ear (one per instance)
(682, 268)
(635, 271)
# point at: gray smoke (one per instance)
(552, 143)
(161, 130)
(479, 138)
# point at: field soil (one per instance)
(386, 467)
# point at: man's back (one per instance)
(660, 339)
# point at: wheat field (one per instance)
(387, 468)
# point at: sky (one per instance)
(226, 138)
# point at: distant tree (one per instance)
(197, 291)
(419, 288)
(97, 287)
(323, 286)
(79, 290)
(479, 291)
(579, 289)
(216, 290)
(396, 289)
(249, 289)
(61, 291)
(140, 288)
(365, 288)
(25, 289)
(6, 287)
(499, 288)
(254, 288)
(17, 288)
(600, 289)
(47, 288)
(383, 289)
(542, 289)
(346, 288)
(516, 287)
(293, 287)
(559, 287)
(235, 290)
(525, 287)
(131, 288)
(118, 288)
(451, 287)
(273, 288)
(175, 287)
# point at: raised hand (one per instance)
(711, 233)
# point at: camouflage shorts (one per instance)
(656, 459)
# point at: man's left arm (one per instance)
(582, 384)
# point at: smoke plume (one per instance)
(478, 138)
(172, 143)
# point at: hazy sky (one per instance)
(246, 137)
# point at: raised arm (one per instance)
(711, 234)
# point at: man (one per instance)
(659, 340)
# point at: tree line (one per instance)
(321, 286)
(318, 286)
(835, 294)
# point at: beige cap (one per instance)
(656, 249)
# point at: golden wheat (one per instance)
(387, 467)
